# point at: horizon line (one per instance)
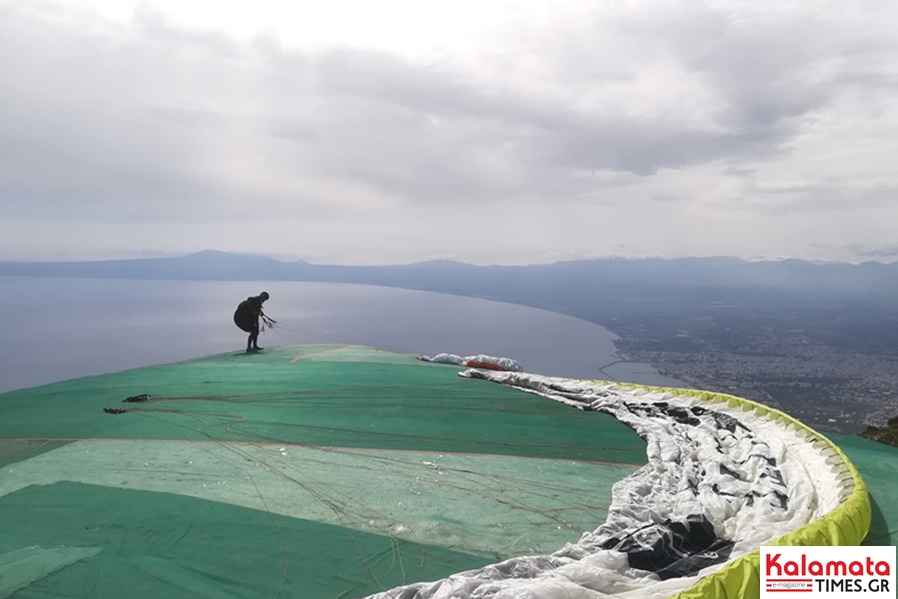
(449, 260)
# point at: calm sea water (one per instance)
(56, 328)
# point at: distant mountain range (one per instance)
(591, 289)
(457, 277)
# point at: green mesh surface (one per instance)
(878, 465)
(319, 396)
(128, 543)
(313, 471)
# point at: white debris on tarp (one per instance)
(478, 361)
(719, 483)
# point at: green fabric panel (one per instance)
(150, 545)
(389, 404)
(22, 567)
(484, 505)
(878, 465)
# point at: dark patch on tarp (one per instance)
(673, 548)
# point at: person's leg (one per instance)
(252, 344)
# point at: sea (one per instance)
(62, 328)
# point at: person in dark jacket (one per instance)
(247, 318)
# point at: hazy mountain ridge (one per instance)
(676, 272)
(596, 290)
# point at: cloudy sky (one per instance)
(486, 131)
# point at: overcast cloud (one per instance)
(487, 132)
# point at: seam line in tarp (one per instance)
(346, 448)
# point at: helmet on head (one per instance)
(264, 295)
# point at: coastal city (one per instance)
(839, 390)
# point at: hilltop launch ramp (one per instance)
(342, 471)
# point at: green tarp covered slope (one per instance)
(312, 471)
(878, 465)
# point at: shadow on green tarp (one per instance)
(146, 545)
(12, 451)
